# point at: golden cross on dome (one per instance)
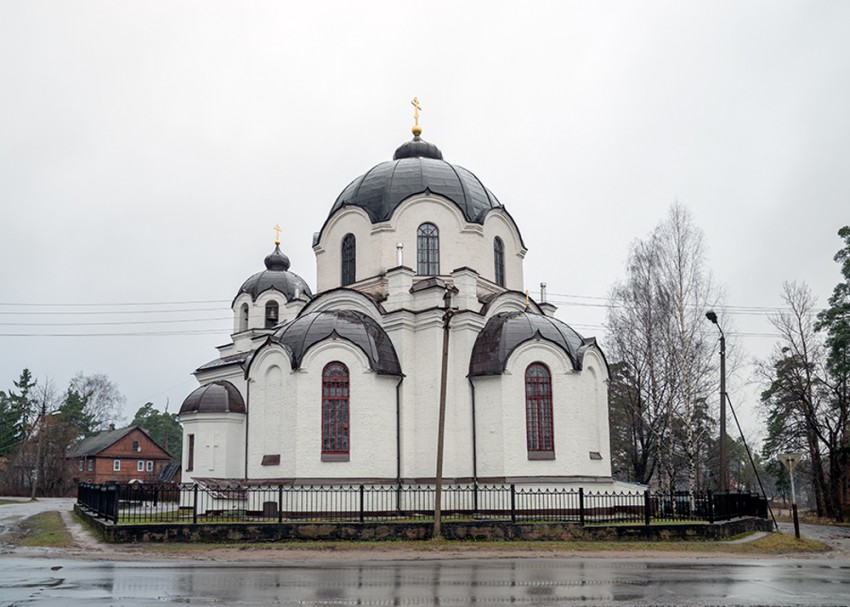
(417, 130)
(277, 234)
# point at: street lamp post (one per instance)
(724, 479)
(790, 461)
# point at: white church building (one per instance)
(416, 260)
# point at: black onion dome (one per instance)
(417, 147)
(276, 276)
(507, 330)
(417, 167)
(217, 397)
(299, 335)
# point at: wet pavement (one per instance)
(86, 576)
(544, 581)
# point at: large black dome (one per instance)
(276, 276)
(417, 167)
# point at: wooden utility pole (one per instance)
(441, 429)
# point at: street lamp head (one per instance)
(710, 315)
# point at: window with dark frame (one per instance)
(335, 412)
(538, 412)
(190, 458)
(428, 250)
(349, 260)
(136, 446)
(499, 260)
(243, 317)
(91, 465)
(272, 309)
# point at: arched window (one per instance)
(272, 309)
(499, 260)
(243, 317)
(538, 412)
(428, 250)
(348, 259)
(335, 413)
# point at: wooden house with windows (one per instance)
(121, 455)
(415, 259)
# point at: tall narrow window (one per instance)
(271, 314)
(190, 459)
(243, 317)
(538, 412)
(349, 252)
(499, 260)
(335, 443)
(428, 250)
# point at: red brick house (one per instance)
(122, 455)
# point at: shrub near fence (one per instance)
(150, 503)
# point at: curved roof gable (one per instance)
(505, 331)
(299, 335)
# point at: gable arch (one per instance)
(344, 299)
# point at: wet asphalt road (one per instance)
(60, 580)
(544, 581)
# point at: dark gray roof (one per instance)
(166, 475)
(232, 359)
(97, 443)
(299, 335)
(276, 276)
(417, 167)
(507, 330)
(216, 397)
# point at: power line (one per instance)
(115, 322)
(108, 312)
(139, 303)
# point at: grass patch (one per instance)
(7, 502)
(45, 529)
(771, 544)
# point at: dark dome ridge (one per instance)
(361, 330)
(276, 277)
(506, 331)
(417, 167)
(217, 397)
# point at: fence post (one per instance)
(280, 504)
(647, 507)
(362, 492)
(195, 504)
(114, 512)
(711, 507)
(581, 506)
(513, 503)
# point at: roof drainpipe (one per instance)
(247, 417)
(398, 442)
(474, 451)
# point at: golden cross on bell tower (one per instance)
(417, 130)
(277, 234)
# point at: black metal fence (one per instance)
(149, 503)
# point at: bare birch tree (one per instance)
(663, 350)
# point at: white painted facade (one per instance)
(393, 416)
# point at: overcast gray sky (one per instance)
(148, 148)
